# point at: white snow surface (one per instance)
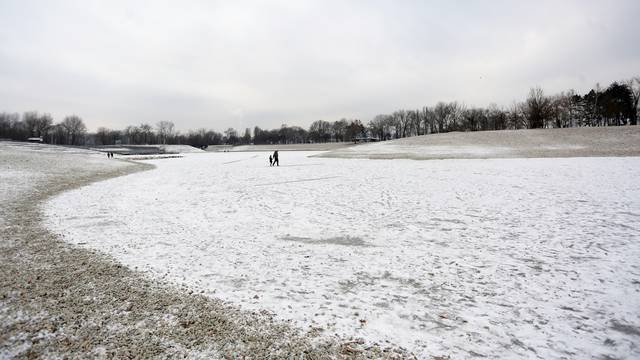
(394, 149)
(181, 149)
(534, 258)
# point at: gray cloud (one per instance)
(245, 63)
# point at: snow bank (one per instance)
(180, 149)
(26, 147)
(148, 149)
(498, 258)
(279, 147)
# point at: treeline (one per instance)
(70, 131)
(614, 105)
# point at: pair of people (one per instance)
(109, 155)
(273, 159)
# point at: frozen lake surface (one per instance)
(533, 258)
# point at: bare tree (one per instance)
(574, 108)
(515, 119)
(634, 86)
(440, 112)
(538, 109)
(320, 131)
(132, 134)
(378, 125)
(456, 111)
(339, 129)
(30, 119)
(43, 124)
(428, 119)
(447, 116)
(415, 123)
(246, 138)
(74, 129)
(396, 125)
(146, 131)
(497, 117)
(165, 130)
(57, 134)
(403, 121)
(106, 136)
(11, 127)
(354, 129)
(473, 119)
(231, 136)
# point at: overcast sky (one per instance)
(218, 64)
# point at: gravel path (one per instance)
(57, 301)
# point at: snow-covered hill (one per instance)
(573, 142)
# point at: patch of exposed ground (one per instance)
(338, 240)
(57, 301)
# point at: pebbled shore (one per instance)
(57, 301)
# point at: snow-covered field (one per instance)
(500, 257)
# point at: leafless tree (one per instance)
(401, 122)
(146, 131)
(320, 131)
(448, 116)
(379, 126)
(165, 130)
(515, 119)
(497, 118)
(538, 109)
(132, 134)
(246, 138)
(339, 129)
(102, 136)
(30, 119)
(634, 86)
(473, 119)
(231, 136)
(43, 124)
(57, 135)
(415, 119)
(11, 127)
(74, 129)
(428, 120)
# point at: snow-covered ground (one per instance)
(281, 147)
(500, 257)
(611, 141)
(17, 157)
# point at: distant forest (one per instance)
(615, 105)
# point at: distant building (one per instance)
(35, 139)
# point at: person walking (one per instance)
(276, 162)
(270, 160)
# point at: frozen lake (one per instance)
(501, 258)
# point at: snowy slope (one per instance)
(501, 258)
(180, 149)
(570, 142)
